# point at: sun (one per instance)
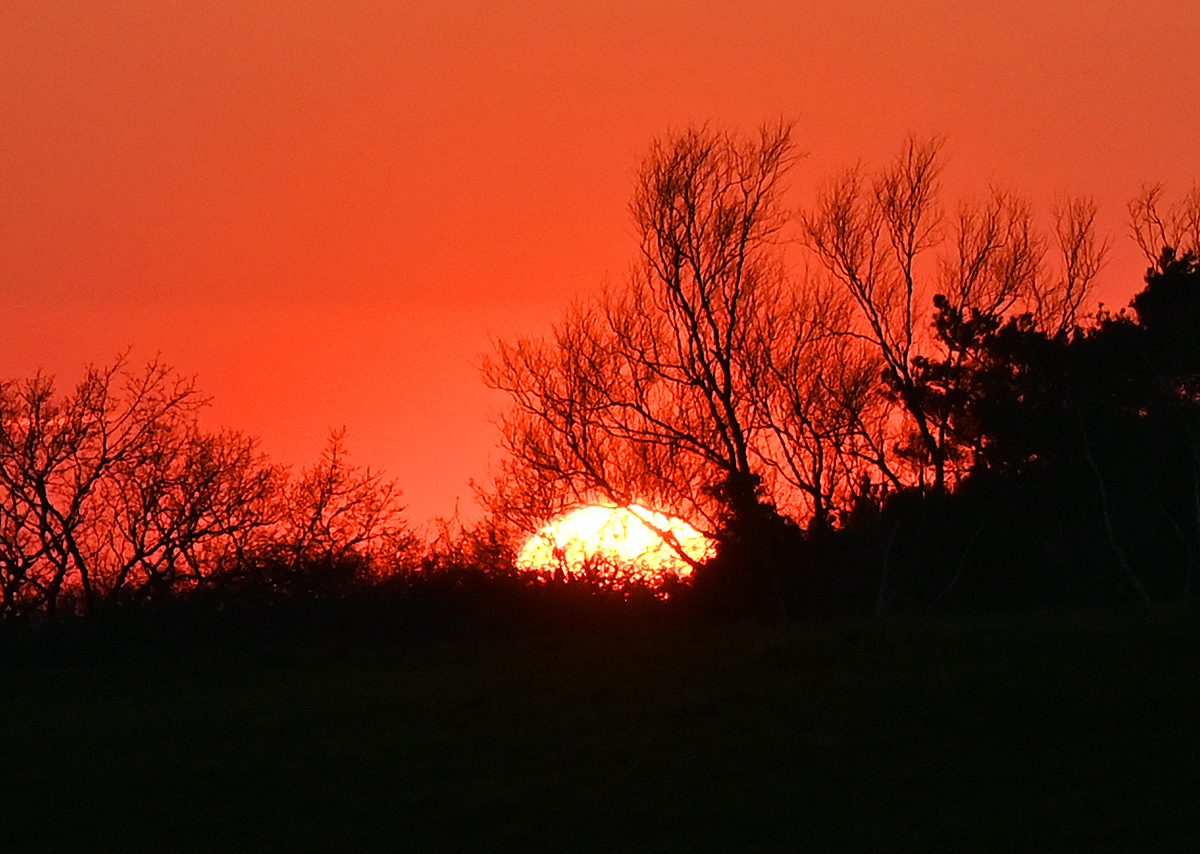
(615, 544)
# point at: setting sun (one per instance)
(622, 544)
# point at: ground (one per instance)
(1021, 732)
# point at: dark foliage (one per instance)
(1084, 482)
(851, 448)
(1083, 487)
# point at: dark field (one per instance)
(1067, 732)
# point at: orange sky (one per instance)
(324, 209)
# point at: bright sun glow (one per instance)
(614, 543)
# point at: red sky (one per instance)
(325, 210)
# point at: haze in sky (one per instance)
(326, 210)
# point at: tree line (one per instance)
(874, 403)
(113, 494)
(119, 513)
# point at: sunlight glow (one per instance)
(614, 544)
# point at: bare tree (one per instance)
(337, 512)
(652, 393)
(113, 490)
(871, 233)
(114, 493)
(335, 528)
(1056, 305)
(1159, 227)
(996, 258)
(716, 382)
(183, 508)
(819, 405)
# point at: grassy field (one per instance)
(1043, 732)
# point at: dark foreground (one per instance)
(1066, 732)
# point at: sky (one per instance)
(328, 210)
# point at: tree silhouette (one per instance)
(113, 492)
(752, 395)
(649, 392)
(709, 384)
(336, 528)
(112, 495)
(873, 234)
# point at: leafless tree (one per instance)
(996, 257)
(1158, 226)
(114, 493)
(113, 490)
(872, 234)
(185, 507)
(819, 405)
(717, 379)
(657, 392)
(337, 511)
(1056, 304)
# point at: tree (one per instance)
(754, 395)
(868, 232)
(677, 390)
(819, 404)
(1159, 227)
(114, 495)
(336, 526)
(872, 234)
(114, 492)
